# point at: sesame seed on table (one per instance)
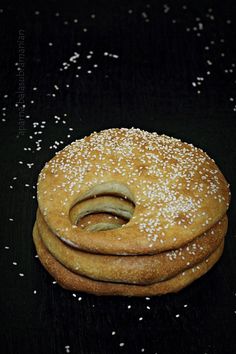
(71, 69)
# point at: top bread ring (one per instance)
(177, 190)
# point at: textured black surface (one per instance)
(153, 85)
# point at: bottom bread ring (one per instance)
(75, 282)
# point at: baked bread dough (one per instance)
(145, 269)
(128, 212)
(177, 189)
(75, 282)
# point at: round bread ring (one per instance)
(178, 190)
(75, 282)
(133, 269)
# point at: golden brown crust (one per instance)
(127, 212)
(72, 281)
(133, 269)
(178, 191)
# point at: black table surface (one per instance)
(68, 69)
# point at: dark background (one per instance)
(174, 74)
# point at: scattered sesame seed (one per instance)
(166, 8)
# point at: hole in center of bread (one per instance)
(104, 212)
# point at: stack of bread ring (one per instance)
(128, 212)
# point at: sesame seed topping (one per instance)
(172, 179)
